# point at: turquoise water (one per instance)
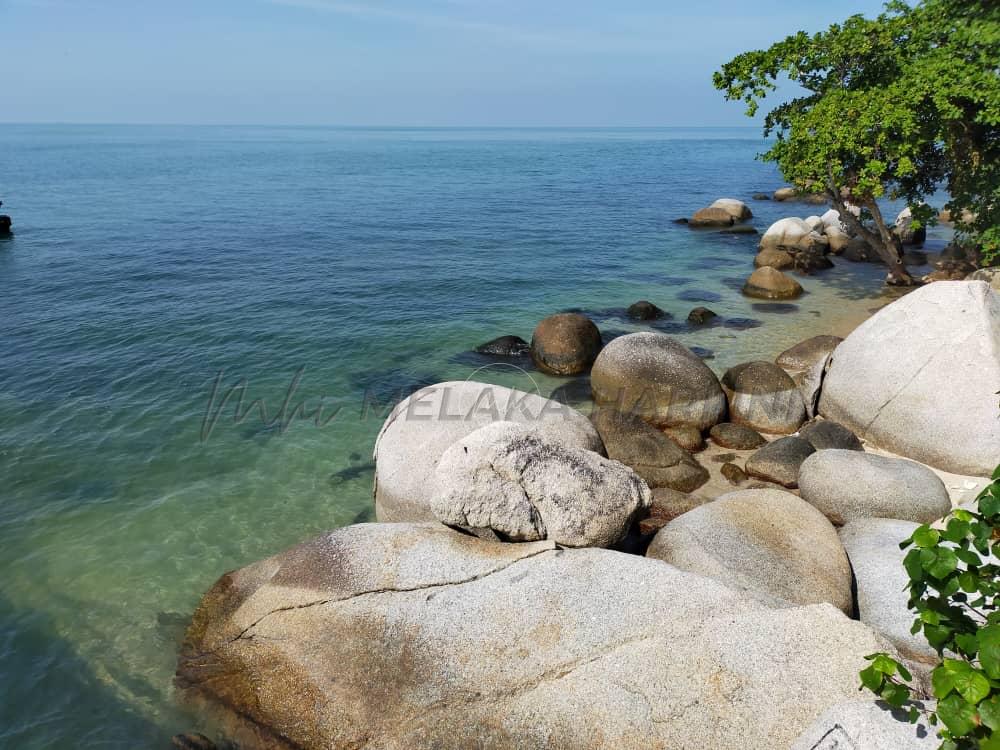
(150, 263)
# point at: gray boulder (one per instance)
(650, 453)
(422, 427)
(866, 725)
(764, 541)
(764, 397)
(919, 378)
(510, 479)
(736, 436)
(847, 485)
(805, 354)
(779, 462)
(872, 546)
(402, 636)
(739, 210)
(825, 434)
(659, 379)
(990, 275)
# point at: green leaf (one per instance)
(872, 679)
(989, 712)
(925, 536)
(963, 678)
(957, 715)
(989, 650)
(945, 561)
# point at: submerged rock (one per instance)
(565, 344)
(701, 315)
(847, 485)
(769, 283)
(644, 310)
(509, 478)
(422, 427)
(919, 378)
(657, 378)
(763, 541)
(505, 346)
(5, 225)
(403, 636)
(654, 456)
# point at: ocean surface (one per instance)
(321, 274)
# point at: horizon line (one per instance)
(359, 127)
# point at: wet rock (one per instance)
(565, 344)
(656, 377)
(644, 310)
(192, 741)
(511, 479)
(739, 229)
(769, 283)
(761, 197)
(764, 397)
(919, 378)
(711, 217)
(688, 438)
(736, 436)
(824, 434)
(5, 225)
(423, 426)
(700, 315)
(739, 210)
(733, 473)
(505, 346)
(846, 485)
(650, 453)
(774, 258)
(780, 461)
(763, 541)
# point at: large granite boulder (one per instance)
(739, 210)
(872, 546)
(848, 484)
(659, 379)
(422, 427)
(780, 461)
(775, 258)
(770, 283)
(920, 377)
(807, 363)
(867, 725)
(402, 636)
(510, 479)
(650, 453)
(764, 397)
(711, 217)
(790, 233)
(565, 344)
(764, 541)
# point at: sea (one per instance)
(202, 329)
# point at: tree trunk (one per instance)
(883, 243)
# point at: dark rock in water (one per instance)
(505, 346)
(711, 217)
(699, 295)
(574, 393)
(669, 325)
(702, 352)
(733, 473)
(565, 344)
(352, 472)
(650, 453)
(826, 434)
(192, 741)
(741, 324)
(761, 197)
(688, 438)
(644, 310)
(780, 461)
(682, 220)
(5, 224)
(736, 436)
(811, 260)
(739, 229)
(780, 308)
(701, 315)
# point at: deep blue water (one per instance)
(147, 262)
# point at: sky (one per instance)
(386, 62)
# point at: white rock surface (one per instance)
(735, 208)
(866, 725)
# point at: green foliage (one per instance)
(955, 590)
(894, 106)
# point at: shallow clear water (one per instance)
(149, 262)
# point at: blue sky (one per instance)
(385, 62)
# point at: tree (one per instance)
(894, 106)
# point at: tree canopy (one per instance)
(897, 106)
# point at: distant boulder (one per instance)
(739, 210)
(711, 217)
(644, 310)
(769, 283)
(505, 346)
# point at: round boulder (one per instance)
(736, 436)
(739, 210)
(780, 461)
(701, 315)
(565, 344)
(422, 427)
(770, 283)
(785, 194)
(644, 310)
(790, 232)
(774, 258)
(654, 376)
(846, 485)
(651, 454)
(711, 217)
(764, 541)
(509, 478)
(688, 438)
(763, 396)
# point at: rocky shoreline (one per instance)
(701, 562)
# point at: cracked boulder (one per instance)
(920, 378)
(769, 542)
(508, 478)
(423, 426)
(650, 453)
(401, 636)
